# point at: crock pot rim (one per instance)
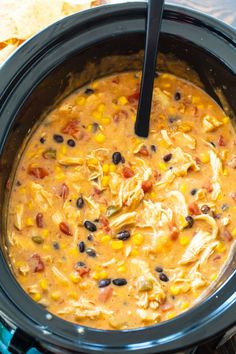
(231, 301)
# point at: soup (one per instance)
(113, 231)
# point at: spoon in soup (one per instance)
(154, 19)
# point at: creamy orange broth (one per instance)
(129, 239)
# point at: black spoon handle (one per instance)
(154, 17)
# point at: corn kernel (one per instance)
(220, 247)
(95, 275)
(122, 269)
(46, 247)
(220, 196)
(37, 297)
(101, 108)
(122, 100)
(117, 244)
(105, 238)
(90, 128)
(106, 120)
(29, 222)
(45, 232)
(43, 283)
(103, 274)
(185, 127)
(170, 315)
(225, 172)
(100, 138)
(63, 246)
(134, 252)
(102, 208)
(162, 166)
(80, 100)
(183, 240)
(213, 277)
(73, 251)
(55, 295)
(74, 277)
(226, 120)
(73, 295)
(234, 231)
(92, 162)
(133, 118)
(195, 99)
(105, 181)
(94, 85)
(200, 106)
(184, 305)
(63, 150)
(112, 168)
(183, 188)
(138, 239)
(174, 290)
(105, 168)
(153, 195)
(204, 157)
(30, 205)
(97, 115)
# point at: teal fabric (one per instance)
(5, 338)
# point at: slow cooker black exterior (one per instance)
(32, 80)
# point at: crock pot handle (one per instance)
(21, 342)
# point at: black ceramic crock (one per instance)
(70, 53)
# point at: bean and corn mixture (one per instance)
(113, 231)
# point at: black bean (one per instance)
(89, 91)
(156, 74)
(42, 140)
(122, 159)
(90, 237)
(159, 269)
(123, 235)
(224, 207)
(104, 282)
(91, 252)
(205, 209)
(58, 138)
(71, 143)
(116, 157)
(163, 277)
(177, 96)
(81, 247)
(167, 157)
(56, 245)
(153, 148)
(80, 203)
(119, 281)
(80, 264)
(194, 191)
(189, 220)
(90, 226)
(18, 183)
(173, 119)
(95, 127)
(213, 144)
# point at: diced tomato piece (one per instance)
(146, 186)
(105, 294)
(83, 271)
(174, 232)
(233, 196)
(105, 224)
(221, 141)
(36, 263)
(64, 228)
(127, 172)
(121, 115)
(194, 209)
(64, 191)
(166, 307)
(208, 186)
(39, 220)
(144, 151)
(37, 172)
(71, 128)
(133, 99)
(226, 235)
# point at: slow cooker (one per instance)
(49, 66)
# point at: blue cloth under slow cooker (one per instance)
(5, 338)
